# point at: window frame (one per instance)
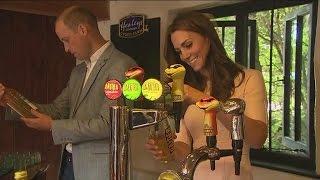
(295, 142)
(296, 164)
(251, 41)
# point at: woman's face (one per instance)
(192, 48)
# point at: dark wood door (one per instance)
(32, 61)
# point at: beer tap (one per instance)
(233, 106)
(136, 73)
(177, 73)
(236, 107)
(209, 106)
(123, 118)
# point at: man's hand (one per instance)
(2, 88)
(41, 122)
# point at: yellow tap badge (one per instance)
(152, 89)
(131, 89)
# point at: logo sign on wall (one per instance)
(132, 26)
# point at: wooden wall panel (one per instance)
(6, 51)
(33, 61)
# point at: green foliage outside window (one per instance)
(263, 20)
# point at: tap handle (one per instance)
(236, 107)
(177, 108)
(209, 105)
(237, 146)
(177, 73)
(211, 143)
(233, 106)
(135, 73)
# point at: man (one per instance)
(79, 116)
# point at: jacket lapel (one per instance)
(78, 86)
(93, 76)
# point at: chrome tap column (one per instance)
(122, 120)
(119, 166)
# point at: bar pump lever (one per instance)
(236, 107)
(209, 105)
(177, 73)
(135, 73)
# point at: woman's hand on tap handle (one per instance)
(154, 149)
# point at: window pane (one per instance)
(227, 18)
(292, 77)
(263, 34)
(304, 78)
(227, 36)
(230, 35)
(219, 31)
(263, 20)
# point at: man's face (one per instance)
(74, 41)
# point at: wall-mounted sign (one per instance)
(132, 26)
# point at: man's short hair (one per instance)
(75, 15)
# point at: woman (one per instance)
(193, 42)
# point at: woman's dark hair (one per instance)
(222, 69)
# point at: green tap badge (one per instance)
(131, 89)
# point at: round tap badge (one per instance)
(131, 89)
(152, 89)
(169, 175)
(112, 89)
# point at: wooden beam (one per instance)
(52, 8)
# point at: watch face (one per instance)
(112, 89)
(131, 89)
(152, 89)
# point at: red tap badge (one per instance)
(112, 89)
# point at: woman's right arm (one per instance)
(193, 95)
(181, 150)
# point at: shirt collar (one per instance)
(95, 56)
